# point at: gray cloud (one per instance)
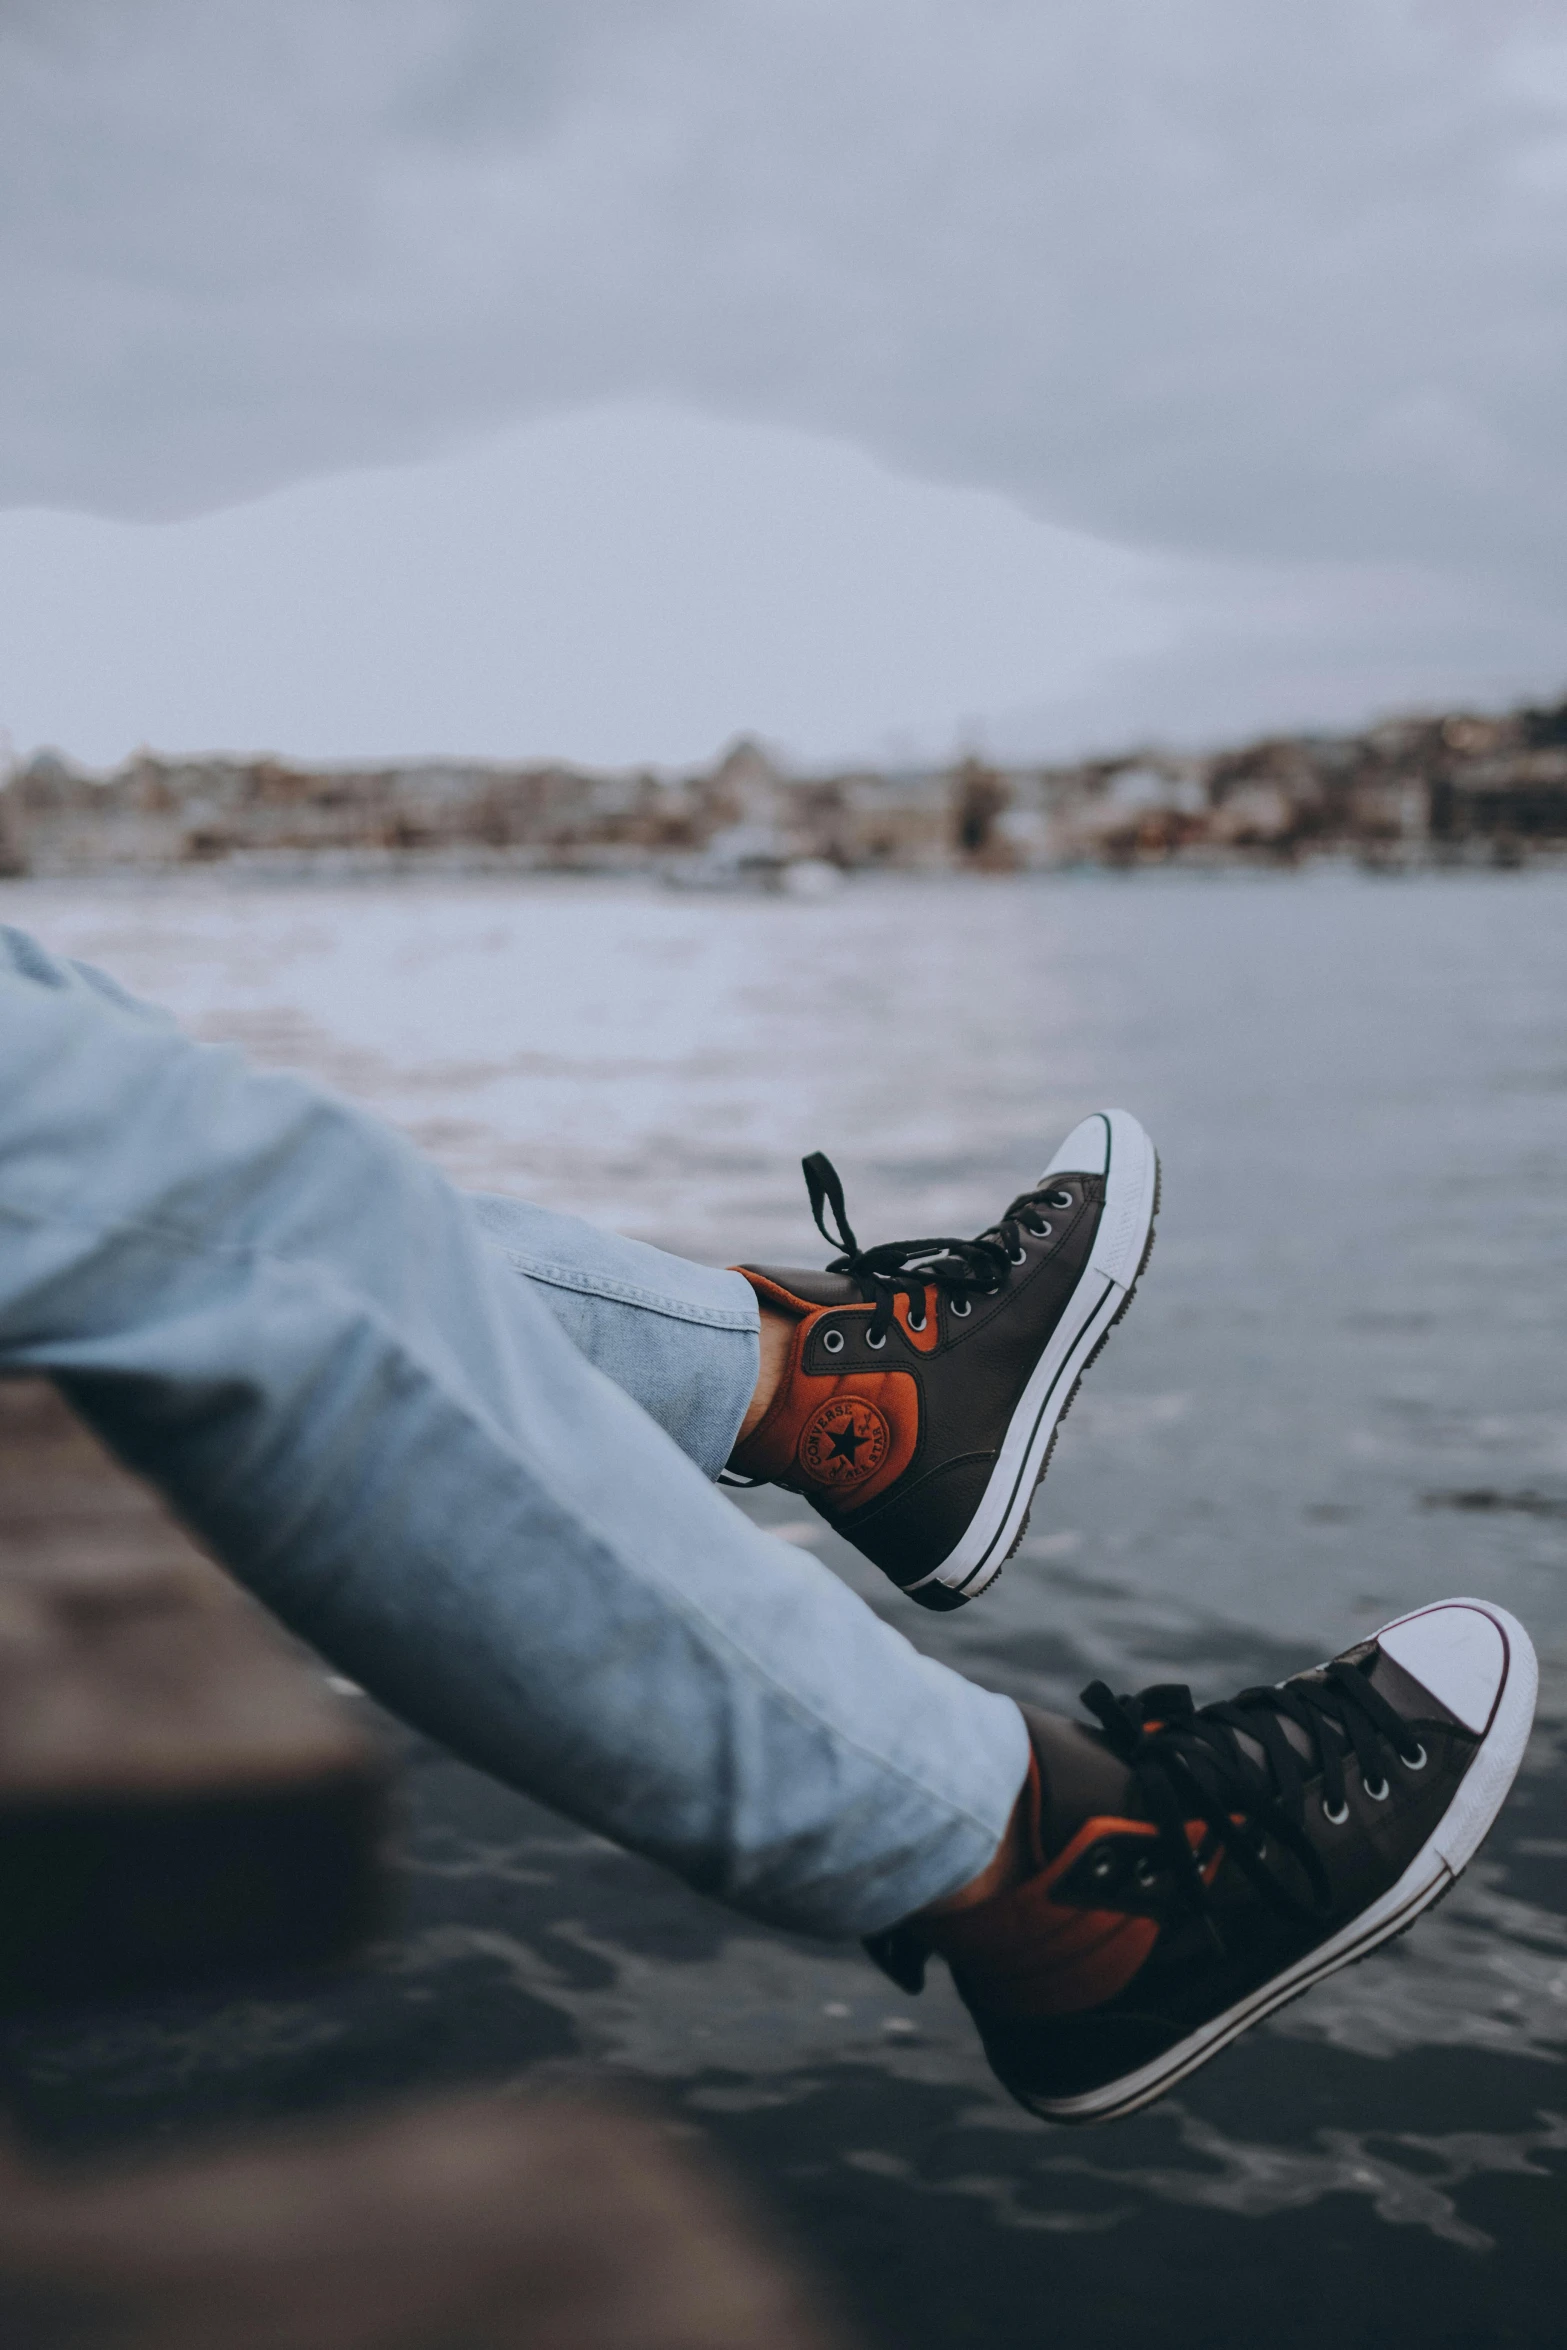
(1235, 277)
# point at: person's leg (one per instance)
(290, 1322)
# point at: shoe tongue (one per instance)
(1080, 1779)
(808, 1288)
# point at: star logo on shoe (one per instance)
(844, 1442)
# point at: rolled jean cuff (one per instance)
(680, 1339)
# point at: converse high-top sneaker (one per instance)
(927, 1378)
(1190, 1869)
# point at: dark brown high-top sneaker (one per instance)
(927, 1378)
(1195, 1869)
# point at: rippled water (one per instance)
(1343, 1390)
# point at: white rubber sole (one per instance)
(1113, 1144)
(1437, 1866)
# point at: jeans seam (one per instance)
(623, 1293)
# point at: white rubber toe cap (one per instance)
(1455, 1651)
(1086, 1150)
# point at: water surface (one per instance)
(1342, 1391)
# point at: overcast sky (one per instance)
(602, 376)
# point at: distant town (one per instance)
(1458, 789)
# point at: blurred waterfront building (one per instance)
(1461, 788)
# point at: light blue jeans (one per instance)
(465, 1447)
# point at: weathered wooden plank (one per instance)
(71, 1517)
(181, 1795)
(464, 2226)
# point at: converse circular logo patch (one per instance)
(844, 1442)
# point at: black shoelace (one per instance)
(1190, 1764)
(906, 1267)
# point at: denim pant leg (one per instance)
(680, 1339)
(277, 1311)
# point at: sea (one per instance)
(1342, 1391)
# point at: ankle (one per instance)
(1014, 1858)
(775, 1334)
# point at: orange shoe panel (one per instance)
(840, 1440)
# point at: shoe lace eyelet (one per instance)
(1416, 1761)
(919, 1325)
(1146, 1874)
(873, 1341)
(1102, 1866)
(1335, 1819)
(832, 1341)
(1058, 1199)
(1017, 1256)
(962, 1307)
(1377, 1789)
(1042, 1230)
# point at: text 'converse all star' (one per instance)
(927, 1378)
